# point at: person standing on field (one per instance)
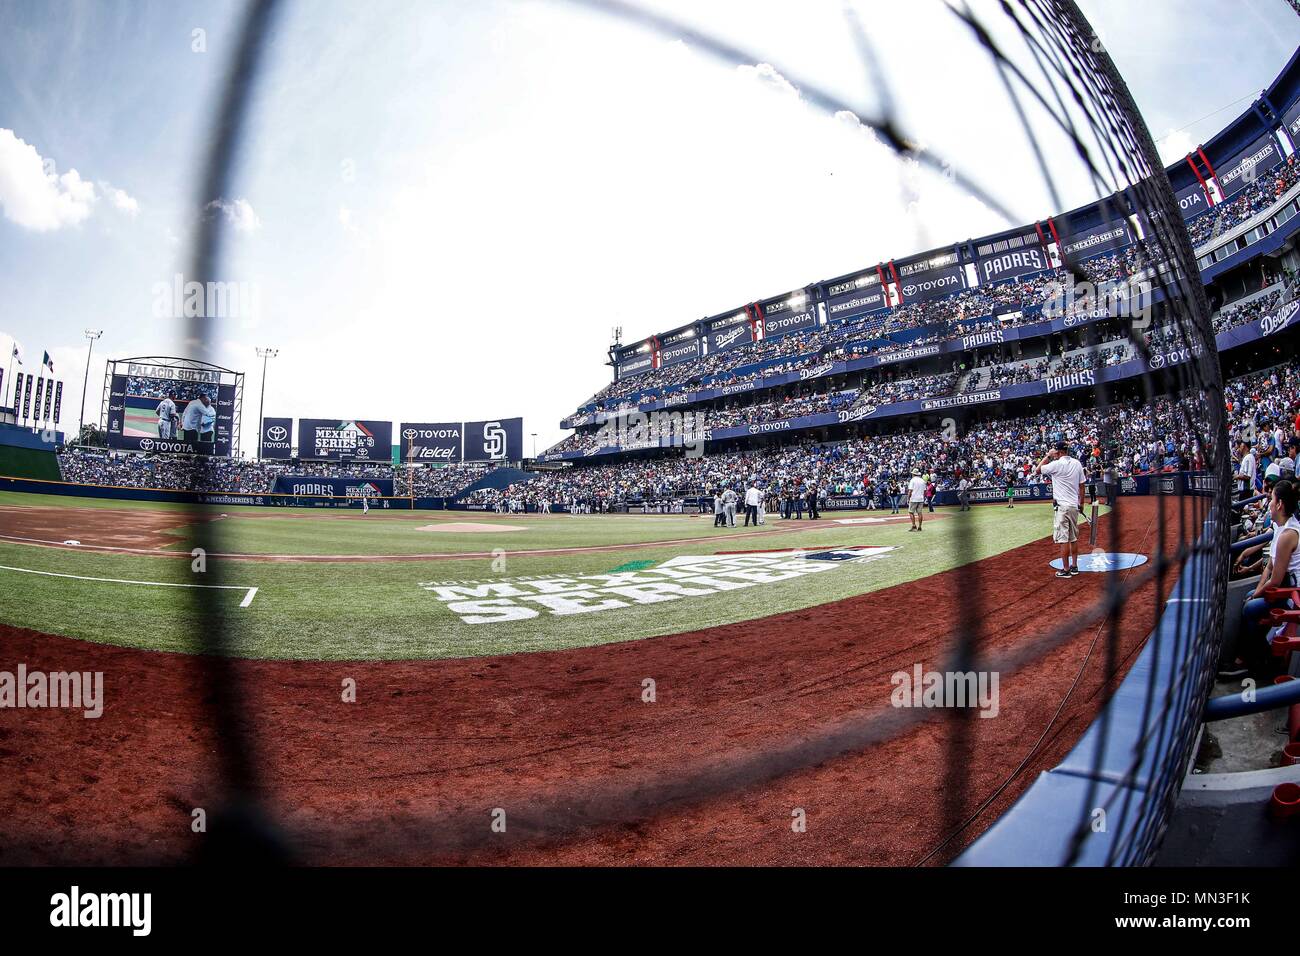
(729, 506)
(915, 499)
(1067, 477)
(752, 500)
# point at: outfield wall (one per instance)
(28, 454)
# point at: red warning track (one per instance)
(736, 735)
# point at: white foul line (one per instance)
(248, 598)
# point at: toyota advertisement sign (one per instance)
(277, 437)
(435, 443)
(930, 277)
(1192, 201)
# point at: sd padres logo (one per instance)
(494, 441)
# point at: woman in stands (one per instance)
(1282, 570)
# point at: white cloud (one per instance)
(34, 195)
(120, 200)
(239, 213)
(348, 220)
(770, 75)
(1174, 146)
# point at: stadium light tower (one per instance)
(91, 334)
(264, 354)
(534, 434)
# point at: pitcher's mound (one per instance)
(464, 527)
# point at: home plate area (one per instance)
(1101, 561)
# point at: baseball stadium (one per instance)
(980, 554)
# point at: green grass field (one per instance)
(390, 609)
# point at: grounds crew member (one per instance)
(1067, 477)
(752, 500)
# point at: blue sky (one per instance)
(444, 208)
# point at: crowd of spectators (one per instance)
(1253, 198)
(992, 377)
(1138, 439)
(964, 313)
(97, 466)
(1131, 439)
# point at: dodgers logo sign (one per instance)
(1279, 320)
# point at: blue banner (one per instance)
(635, 363)
(1192, 201)
(687, 350)
(316, 487)
(930, 277)
(1095, 242)
(782, 317)
(434, 442)
(855, 297)
(733, 334)
(1011, 258)
(345, 439)
(500, 439)
(277, 437)
(1238, 172)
